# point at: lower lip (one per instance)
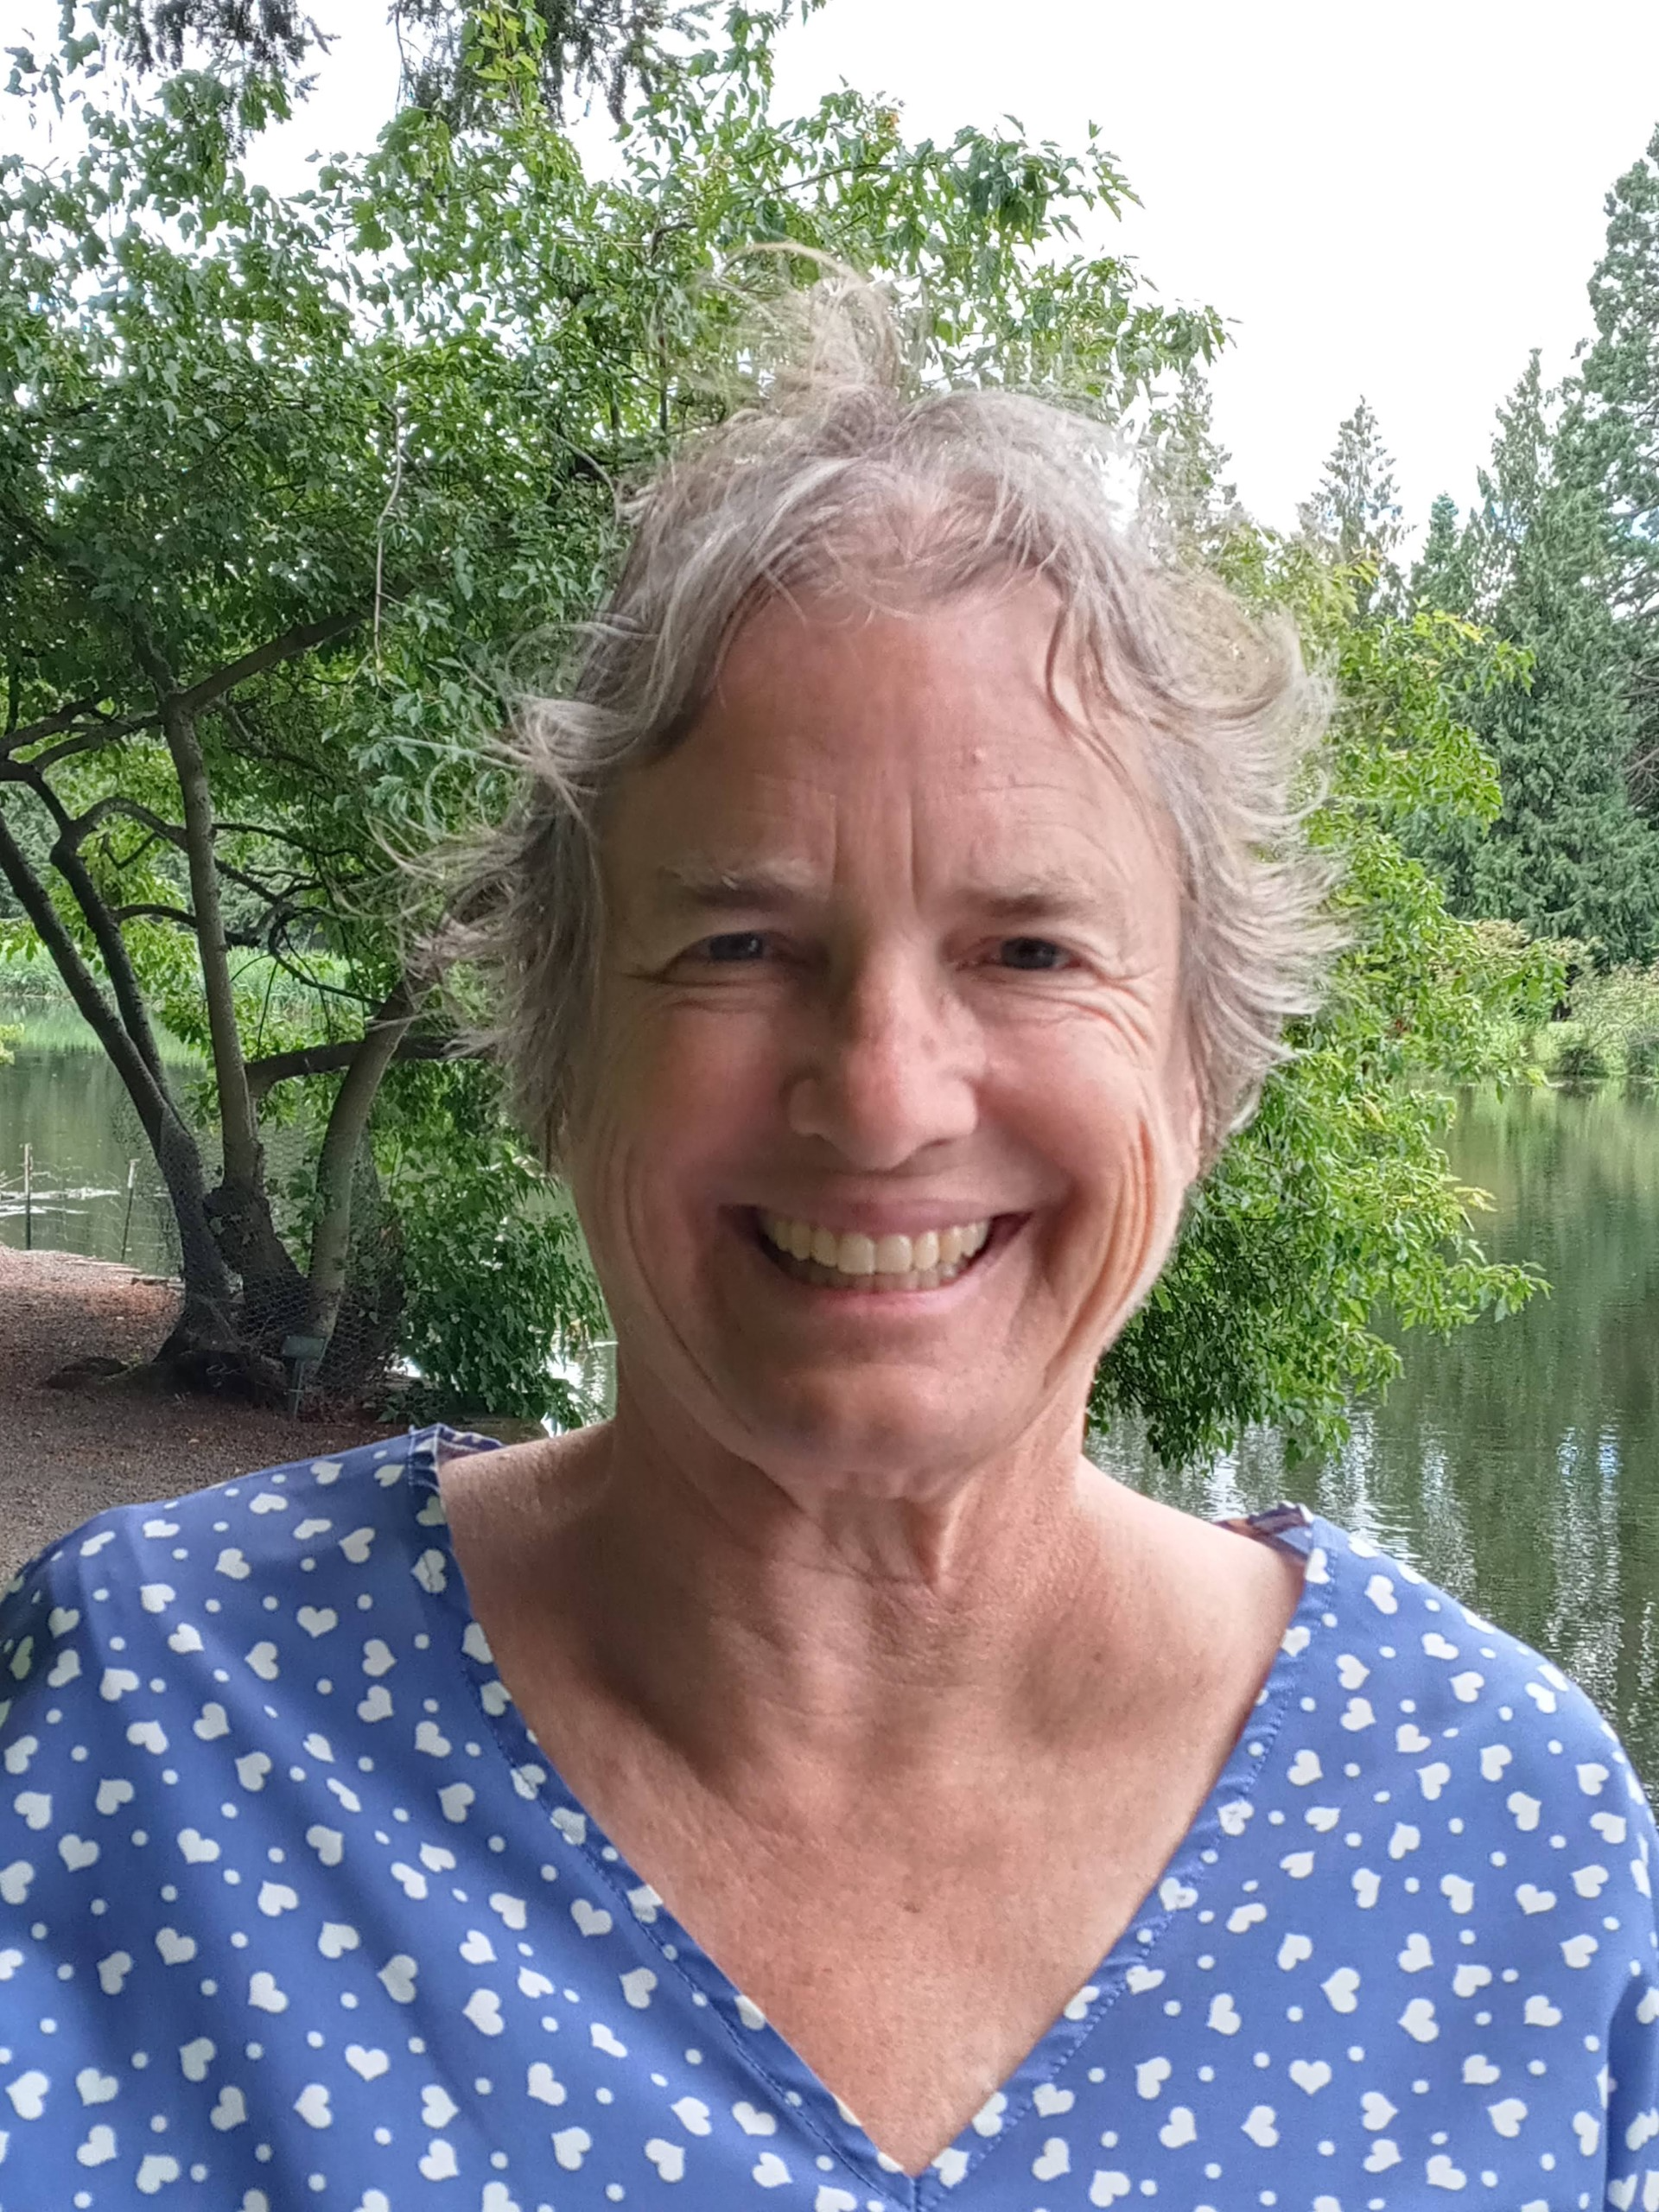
(1003, 1227)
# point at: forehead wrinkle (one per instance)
(695, 881)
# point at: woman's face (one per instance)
(891, 1116)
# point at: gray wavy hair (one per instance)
(842, 475)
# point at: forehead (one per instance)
(932, 739)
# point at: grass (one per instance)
(54, 1025)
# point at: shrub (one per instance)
(1579, 1060)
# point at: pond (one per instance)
(1518, 1465)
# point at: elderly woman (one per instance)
(819, 1785)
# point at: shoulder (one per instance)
(1452, 1679)
(142, 1586)
(1492, 1758)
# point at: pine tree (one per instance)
(1569, 855)
(1355, 513)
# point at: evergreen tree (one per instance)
(1443, 578)
(1188, 508)
(1617, 433)
(1569, 855)
(1354, 516)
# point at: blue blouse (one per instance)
(293, 1911)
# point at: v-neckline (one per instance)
(760, 2050)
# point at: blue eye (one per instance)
(1031, 954)
(735, 944)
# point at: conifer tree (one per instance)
(1355, 513)
(1188, 508)
(1569, 855)
(1443, 576)
(1618, 438)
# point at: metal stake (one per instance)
(126, 1226)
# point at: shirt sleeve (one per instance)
(1630, 2078)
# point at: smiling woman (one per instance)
(820, 1779)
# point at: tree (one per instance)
(1617, 441)
(1442, 577)
(288, 482)
(1569, 855)
(1188, 509)
(1355, 513)
(615, 46)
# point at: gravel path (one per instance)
(67, 1454)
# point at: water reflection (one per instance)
(1518, 1463)
(71, 1108)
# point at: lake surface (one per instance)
(70, 1106)
(1518, 1465)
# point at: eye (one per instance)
(734, 945)
(1031, 955)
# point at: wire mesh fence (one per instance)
(43, 1204)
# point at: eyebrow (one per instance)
(699, 886)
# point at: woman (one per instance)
(900, 915)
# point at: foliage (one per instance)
(497, 1282)
(447, 48)
(1334, 1210)
(1614, 1012)
(611, 45)
(1579, 1060)
(1442, 578)
(1642, 1057)
(1187, 510)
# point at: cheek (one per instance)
(676, 1090)
(1117, 1151)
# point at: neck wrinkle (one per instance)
(872, 1639)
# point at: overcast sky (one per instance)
(1395, 200)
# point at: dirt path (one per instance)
(65, 1455)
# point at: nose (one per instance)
(890, 1065)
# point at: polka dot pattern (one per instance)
(293, 1911)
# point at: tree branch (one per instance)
(147, 1092)
(244, 940)
(292, 643)
(106, 728)
(329, 1059)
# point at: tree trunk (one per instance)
(347, 1125)
(273, 1290)
(207, 1319)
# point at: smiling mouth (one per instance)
(848, 1260)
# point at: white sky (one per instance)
(1395, 200)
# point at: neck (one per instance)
(801, 1630)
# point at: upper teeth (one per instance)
(853, 1253)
